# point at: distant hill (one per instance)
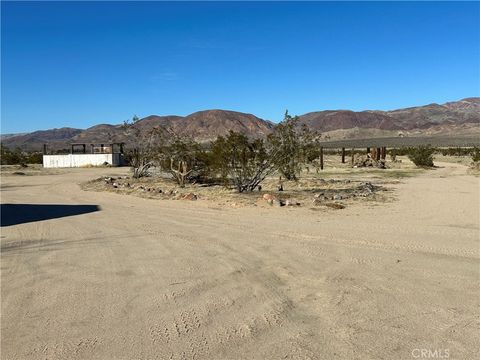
(453, 118)
(329, 120)
(449, 118)
(207, 125)
(57, 138)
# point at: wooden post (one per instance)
(84, 148)
(321, 157)
(368, 150)
(353, 156)
(384, 152)
(377, 157)
(71, 149)
(44, 149)
(343, 155)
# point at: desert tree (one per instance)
(182, 157)
(291, 145)
(144, 145)
(244, 163)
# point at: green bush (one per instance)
(34, 158)
(8, 157)
(422, 155)
(294, 144)
(476, 154)
(456, 151)
(242, 162)
(19, 157)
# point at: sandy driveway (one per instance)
(149, 279)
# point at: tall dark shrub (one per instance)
(422, 155)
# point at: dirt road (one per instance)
(150, 279)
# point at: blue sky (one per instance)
(80, 64)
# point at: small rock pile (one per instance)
(272, 200)
(116, 184)
(368, 161)
(172, 193)
(188, 196)
(364, 189)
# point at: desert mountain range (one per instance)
(453, 118)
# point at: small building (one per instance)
(97, 155)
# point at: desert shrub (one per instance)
(294, 145)
(19, 157)
(402, 151)
(246, 163)
(12, 157)
(239, 161)
(393, 154)
(141, 155)
(421, 155)
(184, 159)
(456, 151)
(34, 158)
(476, 154)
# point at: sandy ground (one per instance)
(149, 279)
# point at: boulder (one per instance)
(292, 202)
(189, 196)
(268, 197)
(277, 203)
(367, 187)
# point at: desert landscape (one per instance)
(96, 272)
(239, 180)
(454, 123)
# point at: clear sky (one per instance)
(80, 64)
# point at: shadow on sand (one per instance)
(14, 214)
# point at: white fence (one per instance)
(81, 160)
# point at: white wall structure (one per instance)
(81, 160)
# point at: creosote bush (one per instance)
(421, 155)
(242, 162)
(294, 144)
(142, 153)
(183, 158)
(476, 154)
(19, 157)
